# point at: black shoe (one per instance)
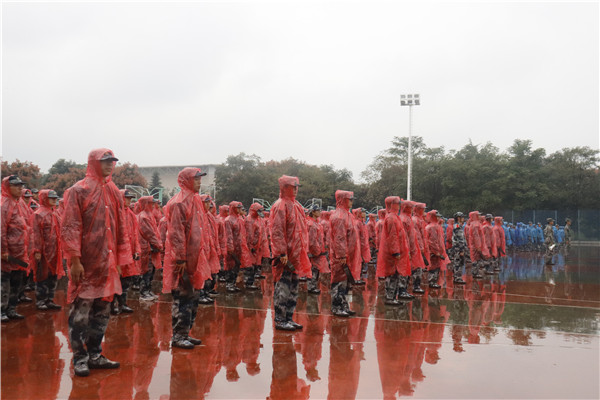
(42, 307)
(81, 369)
(489, 272)
(24, 299)
(252, 287)
(477, 276)
(213, 292)
(232, 289)
(434, 286)
(284, 326)
(418, 290)
(459, 281)
(102, 363)
(295, 325)
(350, 312)
(147, 296)
(53, 306)
(5, 318)
(260, 277)
(114, 309)
(314, 291)
(126, 309)
(14, 315)
(29, 288)
(392, 302)
(406, 296)
(341, 313)
(205, 300)
(360, 282)
(222, 279)
(182, 344)
(303, 279)
(194, 341)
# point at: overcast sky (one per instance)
(191, 83)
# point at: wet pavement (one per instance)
(531, 331)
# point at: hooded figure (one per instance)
(185, 268)
(150, 244)
(379, 225)
(47, 251)
(289, 244)
(326, 224)
(344, 254)
(416, 251)
(316, 249)
(94, 238)
(393, 257)
(499, 235)
(372, 230)
(256, 238)
(437, 248)
(363, 237)
(420, 224)
(476, 243)
(238, 254)
(490, 242)
(212, 249)
(448, 233)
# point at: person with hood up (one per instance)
(459, 248)
(289, 244)
(47, 251)
(476, 241)
(316, 248)
(256, 237)
(150, 244)
(238, 254)
(15, 245)
(363, 236)
(213, 250)
(94, 238)
(498, 231)
(434, 233)
(372, 231)
(223, 214)
(418, 260)
(344, 253)
(420, 224)
(326, 224)
(490, 242)
(393, 257)
(448, 234)
(185, 268)
(130, 271)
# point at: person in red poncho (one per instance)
(185, 268)
(150, 245)
(436, 246)
(94, 237)
(255, 238)
(15, 242)
(393, 256)
(238, 254)
(417, 259)
(363, 236)
(500, 242)
(130, 271)
(345, 250)
(372, 231)
(223, 213)
(316, 248)
(212, 250)
(476, 242)
(490, 241)
(420, 224)
(47, 251)
(289, 243)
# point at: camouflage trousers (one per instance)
(339, 290)
(416, 275)
(184, 309)
(11, 287)
(394, 285)
(548, 255)
(88, 319)
(231, 276)
(126, 282)
(146, 282)
(44, 290)
(313, 283)
(285, 296)
(250, 273)
(458, 262)
(433, 276)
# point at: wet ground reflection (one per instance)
(531, 331)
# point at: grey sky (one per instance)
(190, 83)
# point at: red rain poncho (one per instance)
(255, 234)
(420, 224)
(212, 248)
(379, 225)
(133, 268)
(416, 257)
(499, 235)
(325, 223)
(237, 243)
(345, 240)
(149, 235)
(266, 250)
(289, 234)
(93, 228)
(15, 229)
(436, 243)
(490, 238)
(363, 234)
(223, 213)
(393, 255)
(372, 230)
(185, 235)
(46, 241)
(316, 245)
(449, 233)
(475, 239)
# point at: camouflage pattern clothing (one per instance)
(459, 245)
(11, 284)
(313, 283)
(44, 290)
(88, 319)
(183, 311)
(285, 296)
(549, 242)
(339, 303)
(121, 299)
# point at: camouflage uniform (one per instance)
(548, 241)
(285, 296)
(44, 291)
(11, 282)
(459, 245)
(183, 311)
(88, 319)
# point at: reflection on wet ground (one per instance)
(531, 331)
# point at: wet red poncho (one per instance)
(223, 213)
(149, 235)
(93, 228)
(255, 234)
(266, 250)
(436, 243)
(394, 254)
(449, 233)
(185, 235)
(490, 238)
(325, 223)
(363, 234)
(212, 247)
(379, 225)
(476, 241)
(289, 234)
(46, 241)
(420, 224)
(372, 230)
(345, 240)
(157, 213)
(133, 268)
(15, 229)
(499, 235)
(237, 244)
(316, 245)
(416, 258)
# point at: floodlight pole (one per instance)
(410, 101)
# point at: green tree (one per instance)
(26, 170)
(155, 182)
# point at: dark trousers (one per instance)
(126, 282)
(12, 282)
(285, 296)
(146, 284)
(249, 274)
(184, 309)
(44, 290)
(313, 283)
(88, 319)
(338, 296)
